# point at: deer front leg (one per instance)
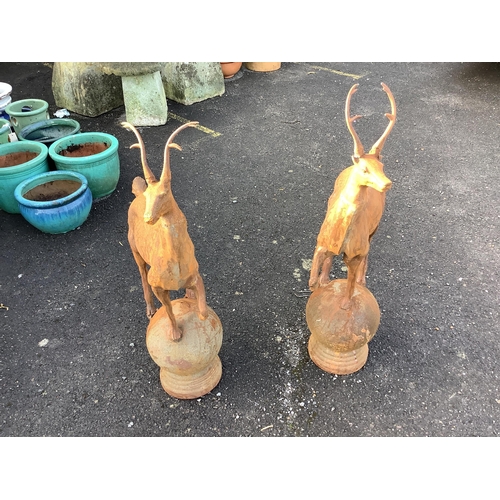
(148, 294)
(353, 265)
(173, 330)
(200, 295)
(319, 257)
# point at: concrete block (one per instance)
(83, 89)
(145, 100)
(190, 82)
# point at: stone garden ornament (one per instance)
(342, 314)
(184, 336)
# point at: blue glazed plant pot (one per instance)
(19, 161)
(55, 202)
(92, 154)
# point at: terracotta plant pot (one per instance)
(229, 69)
(263, 66)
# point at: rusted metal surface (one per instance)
(354, 209)
(158, 238)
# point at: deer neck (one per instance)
(171, 214)
(353, 192)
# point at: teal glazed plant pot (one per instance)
(49, 131)
(19, 161)
(23, 113)
(55, 202)
(92, 154)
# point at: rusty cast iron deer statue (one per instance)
(158, 238)
(354, 209)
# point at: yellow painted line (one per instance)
(355, 77)
(199, 127)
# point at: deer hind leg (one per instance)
(320, 261)
(173, 330)
(324, 277)
(148, 294)
(353, 265)
(361, 274)
(196, 290)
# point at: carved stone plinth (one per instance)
(143, 91)
(339, 337)
(191, 367)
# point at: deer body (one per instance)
(346, 227)
(173, 266)
(354, 211)
(159, 240)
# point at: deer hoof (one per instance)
(150, 312)
(345, 303)
(175, 335)
(203, 315)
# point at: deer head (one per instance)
(368, 165)
(158, 193)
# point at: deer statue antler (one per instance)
(148, 174)
(166, 173)
(358, 147)
(377, 147)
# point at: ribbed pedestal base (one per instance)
(193, 385)
(339, 363)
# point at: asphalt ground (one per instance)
(253, 184)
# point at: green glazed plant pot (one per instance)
(92, 154)
(49, 131)
(19, 161)
(36, 110)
